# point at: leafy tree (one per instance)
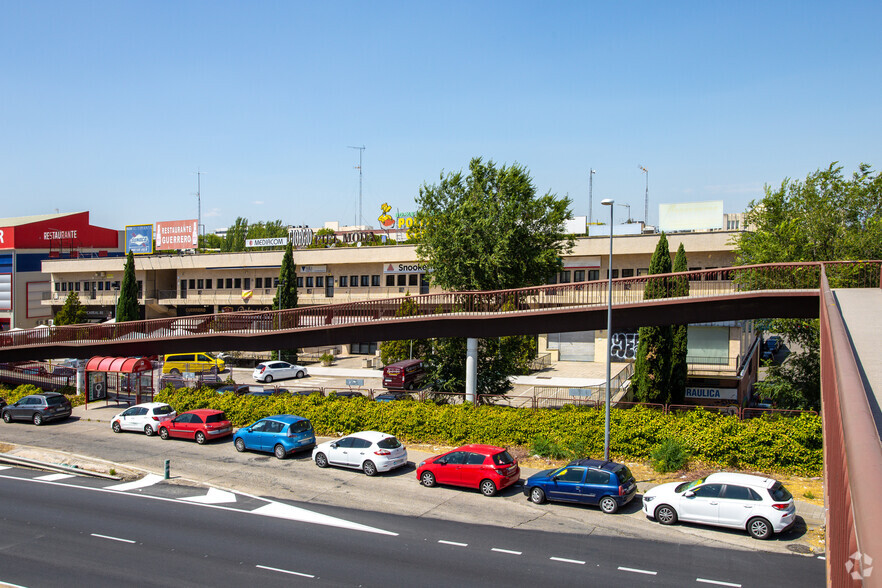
(286, 294)
(679, 334)
(127, 307)
(823, 218)
(210, 241)
(266, 230)
(488, 230)
(72, 313)
(652, 368)
(235, 239)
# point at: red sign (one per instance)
(176, 234)
(62, 231)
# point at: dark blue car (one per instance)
(282, 435)
(589, 481)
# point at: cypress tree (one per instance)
(679, 334)
(127, 308)
(286, 294)
(652, 368)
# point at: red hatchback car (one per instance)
(202, 424)
(484, 467)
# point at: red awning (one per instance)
(125, 365)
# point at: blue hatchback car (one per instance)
(282, 435)
(590, 481)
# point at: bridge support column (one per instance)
(471, 369)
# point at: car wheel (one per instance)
(200, 437)
(608, 505)
(163, 433)
(759, 528)
(38, 419)
(537, 495)
(268, 379)
(488, 488)
(280, 452)
(240, 445)
(299, 374)
(427, 479)
(369, 468)
(116, 427)
(665, 514)
(175, 372)
(321, 460)
(148, 430)
(7, 417)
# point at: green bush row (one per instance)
(20, 392)
(786, 445)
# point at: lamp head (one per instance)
(607, 201)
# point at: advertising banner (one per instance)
(404, 268)
(181, 234)
(712, 393)
(272, 242)
(139, 239)
(97, 388)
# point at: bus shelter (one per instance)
(126, 380)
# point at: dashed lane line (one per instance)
(565, 560)
(280, 570)
(55, 477)
(638, 571)
(454, 543)
(717, 582)
(112, 538)
(508, 551)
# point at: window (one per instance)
(58, 286)
(200, 284)
(192, 284)
(77, 286)
(364, 281)
(642, 271)
(571, 474)
(390, 280)
(615, 274)
(208, 283)
(299, 282)
(344, 281)
(627, 273)
(565, 277)
(455, 458)
(360, 443)
(247, 283)
(503, 458)
(310, 281)
(597, 477)
(237, 283)
(375, 280)
(593, 275)
(413, 280)
(229, 283)
(64, 286)
(578, 275)
(273, 427)
(709, 491)
(345, 442)
(401, 280)
(100, 286)
(320, 281)
(475, 458)
(85, 286)
(258, 283)
(737, 493)
(353, 281)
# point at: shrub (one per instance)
(545, 448)
(670, 456)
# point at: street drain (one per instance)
(799, 548)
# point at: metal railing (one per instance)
(705, 283)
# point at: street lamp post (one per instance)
(608, 202)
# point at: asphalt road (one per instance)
(63, 532)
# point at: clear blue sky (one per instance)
(112, 106)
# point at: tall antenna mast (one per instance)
(590, 195)
(198, 205)
(359, 216)
(645, 198)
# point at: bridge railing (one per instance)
(702, 283)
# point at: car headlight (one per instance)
(648, 498)
(422, 463)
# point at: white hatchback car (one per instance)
(760, 505)
(368, 451)
(277, 370)
(142, 417)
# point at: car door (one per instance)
(736, 505)
(270, 434)
(703, 505)
(24, 408)
(125, 419)
(339, 455)
(194, 425)
(472, 470)
(359, 452)
(181, 426)
(139, 418)
(449, 466)
(252, 435)
(566, 485)
(596, 486)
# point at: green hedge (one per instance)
(787, 445)
(20, 392)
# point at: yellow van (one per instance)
(178, 363)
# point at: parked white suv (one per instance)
(368, 451)
(142, 417)
(760, 505)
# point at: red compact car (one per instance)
(202, 424)
(485, 467)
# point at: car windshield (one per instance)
(216, 418)
(779, 493)
(688, 485)
(503, 458)
(624, 474)
(389, 443)
(300, 426)
(163, 409)
(55, 400)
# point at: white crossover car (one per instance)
(368, 451)
(277, 370)
(761, 506)
(142, 417)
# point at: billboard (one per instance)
(139, 239)
(690, 216)
(181, 234)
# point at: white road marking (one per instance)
(637, 571)
(717, 582)
(54, 477)
(2, 467)
(505, 551)
(454, 543)
(293, 513)
(565, 560)
(285, 571)
(821, 557)
(9, 584)
(112, 538)
(148, 480)
(214, 496)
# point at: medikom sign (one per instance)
(181, 234)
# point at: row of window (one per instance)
(352, 281)
(86, 286)
(568, 276)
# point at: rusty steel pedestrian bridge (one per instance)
(850, 391)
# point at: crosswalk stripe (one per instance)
(54, 477)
